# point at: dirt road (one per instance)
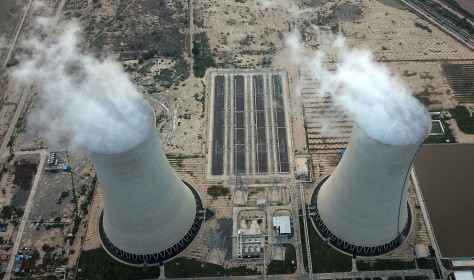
(11, 46)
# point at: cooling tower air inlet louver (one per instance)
(149, 214)
(362, 208)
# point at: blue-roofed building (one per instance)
(20, 259)
(65, 168)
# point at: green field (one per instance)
(288, 266)
(385, 265)
(464, 119)
(188, 268)
(98, 265)
(324, 257)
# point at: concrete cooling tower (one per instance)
(361, 208)
(149, 214)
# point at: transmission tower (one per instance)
(273, 190)
(240, 193)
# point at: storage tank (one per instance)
(148, 211)
(362, 207)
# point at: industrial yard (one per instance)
(243, 127)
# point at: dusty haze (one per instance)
(84, 101)
(365, 91)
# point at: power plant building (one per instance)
(282, 225)
(361, 208)
(149, 214)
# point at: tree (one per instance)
(7, 211)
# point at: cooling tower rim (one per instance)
(148, 135)
(367, 251)
(187, 240)
(418, 141)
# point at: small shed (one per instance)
(462, 263)
(59, 251)
(302, 167)
(20, 259)
(283, 224)
(463, 275)
(421, 251)
(65, 168)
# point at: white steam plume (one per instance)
(272, 3)
(289, 6)
(84, 101)
(380, 103)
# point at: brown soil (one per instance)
(24, 173)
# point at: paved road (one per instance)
(429, 228)
(18, 27)
(297, 227)
(28, 88)
(11, 128)
(336, 275)
(433, 21)
(191, 36)
(24, 219)
(162, 272)
(306, 236)
(59, 10)
(41, 151)
(370, 274)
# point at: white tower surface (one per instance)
(147, 208)
(364, 201)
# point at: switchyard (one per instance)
(249, 120)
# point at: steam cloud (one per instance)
(380, 103)
(291, 8)
(84, 101)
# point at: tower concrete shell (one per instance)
(147, 208)
(364, 201)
